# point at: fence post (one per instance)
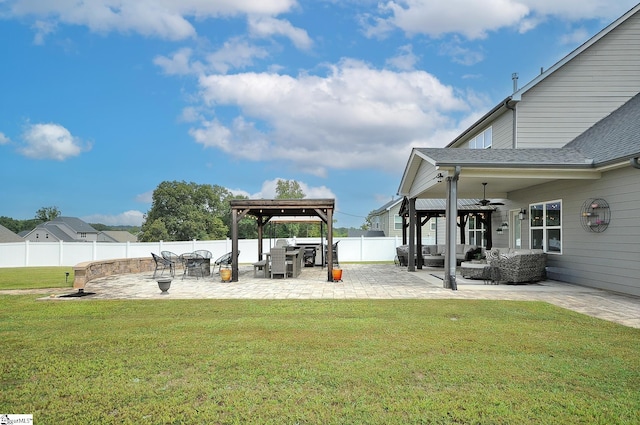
(26, 253)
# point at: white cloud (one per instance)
(51, 141)
(145, 198)
(342, 120)
(575, 38)
(268, 190)
(266, 26)
(405, 60)
(127, 218)
(474, 19)
(235, 53)
(4, 139)
(166, 19)
(435, 18)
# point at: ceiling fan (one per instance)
(484, 201)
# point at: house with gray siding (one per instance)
(66, 229)
(561, 153)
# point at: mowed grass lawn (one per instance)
(83, 361)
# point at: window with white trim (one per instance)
(397, 222)
(476, 230)
(546, 226)
(482, 140)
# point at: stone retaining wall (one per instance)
(89, 270)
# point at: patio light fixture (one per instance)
(522, 214)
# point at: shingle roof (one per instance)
(615, 137)
(542, 157)
(75, 223)
(7, 235)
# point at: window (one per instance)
(476, 231)
(482, 140)
(83, 235)
(397, 222)
(546, 226)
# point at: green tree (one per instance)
(368, 221)
(45, 214)
(288, 189)
(183, 211)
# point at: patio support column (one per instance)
(452, 226)
(234, 245)
(411, 261)
(329, 245)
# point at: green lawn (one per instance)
(35, 277)
(314, 362)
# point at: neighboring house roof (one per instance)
(7, 235)
(356, 233)
(116, 236)
(57, 229)
(386, 207)
(74, 223)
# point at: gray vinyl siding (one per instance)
(503, 131)
(609, 260)
(583, 91)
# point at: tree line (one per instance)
(182, 211)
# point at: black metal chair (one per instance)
(162, 264)
(225, 260)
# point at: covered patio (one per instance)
(265, 210)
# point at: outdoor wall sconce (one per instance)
(522, 214)
(504, 225)
(499, 230)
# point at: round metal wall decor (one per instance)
(595, 215)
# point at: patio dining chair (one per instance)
(279, 263)
(173, 258)
(225, 260)
(161, 265)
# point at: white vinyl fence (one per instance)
(31, 254)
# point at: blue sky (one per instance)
(101, 100)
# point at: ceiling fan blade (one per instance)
(496, 203)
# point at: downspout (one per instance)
(635, 162)
(452, 227)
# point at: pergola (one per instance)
(425, 209)
(266, 209)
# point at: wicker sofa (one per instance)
(518, 265)
(464, 252)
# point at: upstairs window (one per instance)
(482, 140)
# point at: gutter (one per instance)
(635, 162)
